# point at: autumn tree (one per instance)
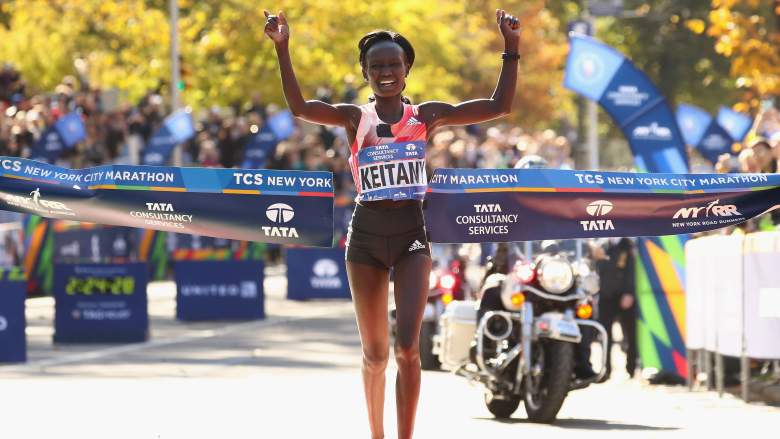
(125, 44)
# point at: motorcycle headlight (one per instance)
(555, 275)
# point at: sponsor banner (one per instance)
(49, 146)
(693, 123)
(602, 74)
(175, 129)
(316, 274)
(735, 123)
(259, 148)
(71, 129)
(219, 290)
(761, 281)
(714, 142)
(502, 205)
(395, 171)
(281, 207)
(13, 341)
(100, 303)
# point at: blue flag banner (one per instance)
(100, 303)
(714, 142)
(259, 148)
(603, 74)
(281, 124)
(71, 129)
(219, 290)
(693, 123)
(13, 291)
(504, 205)
(280, 207)
(176, 128)
(49, 146)
(735, 123)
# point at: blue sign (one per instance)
(175, 129)
(259, 148)
(316, 274)
(714, 142)
(71, 129)
(735, 123)
(604, 75)
(219, 290)
(13, 341)
(281, 124)
(100, 303)
(49, 146)
(693, 123)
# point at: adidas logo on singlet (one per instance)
(416, 245)
(413, 121)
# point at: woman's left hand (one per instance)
(510, 28)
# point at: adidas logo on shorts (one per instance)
(416, 245)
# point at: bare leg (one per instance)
(369, 286)
(411, 293)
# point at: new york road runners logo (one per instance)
(37, 203)
(280, 213)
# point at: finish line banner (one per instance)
(280, 207)
(504, 205)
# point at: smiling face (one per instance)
(386, 68)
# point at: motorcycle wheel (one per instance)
(428, 361)
(544, 394)
(501, 408)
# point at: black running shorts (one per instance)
(383, 237)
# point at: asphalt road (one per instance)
(296, 375)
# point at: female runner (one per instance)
(387, 159)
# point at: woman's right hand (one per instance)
(276, 28)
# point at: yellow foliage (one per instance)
(126, 45)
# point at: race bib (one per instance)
(395, 171)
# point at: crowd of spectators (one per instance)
(116, 132)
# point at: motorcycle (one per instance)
(519, 339)
(445, 285)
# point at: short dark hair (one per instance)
(377, 36)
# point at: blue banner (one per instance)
(281, 124)
(259, 148)
(71, 129)
(504, 205)
(735, 123)
(175, 129)
(316, 274)
(280, 207)
(49, 146)
(100, 303)
(219, 290)
(13, 291)
(693, 123)
(714, 142)
(603, 74)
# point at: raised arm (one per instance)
(438, 114)
(316, 111)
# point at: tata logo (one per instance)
(3, 324)
(411, 147)
(714, 141)
(280, 213)
(710, 209)
(487, 208)
(597, 209)
(325, 268)
(159, 207)
(325, 274)
(652, 132)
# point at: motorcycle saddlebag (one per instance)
(458, 324)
